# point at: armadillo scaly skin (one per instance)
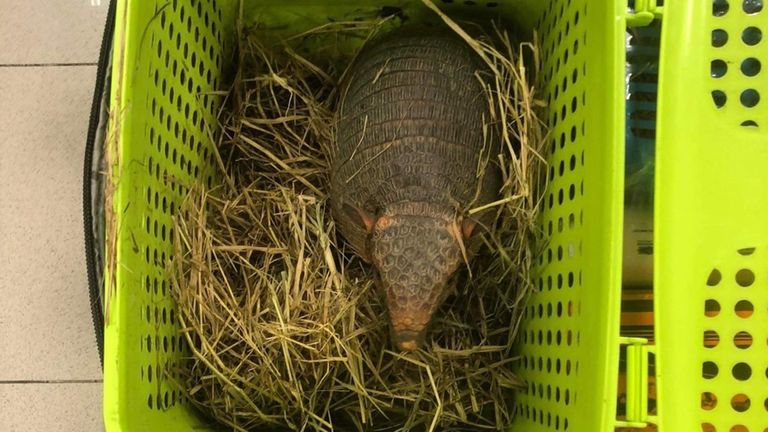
(414, 152)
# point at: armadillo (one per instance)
(413, 153)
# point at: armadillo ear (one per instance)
(362, 217)
(467, 226)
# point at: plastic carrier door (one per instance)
(169, 56)
(711, 233)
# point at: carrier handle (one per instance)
(642, 12)
(638, 352)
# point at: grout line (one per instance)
(20, 65)
(74, 381)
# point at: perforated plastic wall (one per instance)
(165, 72)
(711, 235)
(736, 60)
(570, 334)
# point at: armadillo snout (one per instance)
(409, 340)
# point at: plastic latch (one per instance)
(643, 13)
(638, 352)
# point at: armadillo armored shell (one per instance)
(414, 136)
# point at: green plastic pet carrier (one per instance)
(708, 351)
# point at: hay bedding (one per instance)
(286, 327)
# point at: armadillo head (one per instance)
(415, 257)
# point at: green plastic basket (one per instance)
(711, 241)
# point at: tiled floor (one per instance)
(50, 378)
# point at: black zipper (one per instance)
(92, 225)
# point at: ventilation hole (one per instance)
(718, 68)
(711, 308)
(718, 96)
(751, 36)
(739, 428)
(749, 98)
(744, 309)
(752, 6)
(720, 7)
(740, 402)
(749, 123)
(719, 38)
(750, 67)
(714, 277)
(709, 370)
(746, 251)
(741, 371)
(711, 339)
(708, 401)
(492, 4)
(708, 427)
(745, 277)
(742, 340)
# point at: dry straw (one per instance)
(286, 328)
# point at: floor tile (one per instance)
(55, 31)
(50, 407)
(45, 322)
